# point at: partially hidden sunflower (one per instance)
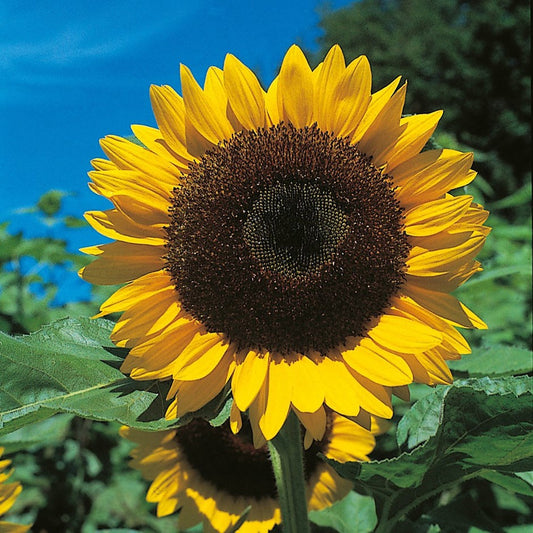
(297, 244)
(8, 495)
(211, 475)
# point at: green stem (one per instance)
(286, 455)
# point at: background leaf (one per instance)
(51, 431)
(479, 426)
(496, 360)
(355, 512)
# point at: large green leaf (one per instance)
(353, 513)
(425, 416)
(495, 361)
(478, 426)
(71, 366)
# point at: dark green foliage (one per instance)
(31, 268)
(50, 202)
(480, 427)
(81, 482)
(468, 57)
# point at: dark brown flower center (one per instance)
(294, 228)
(231, 463)
(286, 240)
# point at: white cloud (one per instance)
(59, 38)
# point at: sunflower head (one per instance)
(294, 243)
(211, 475)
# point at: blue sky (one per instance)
(74, 71)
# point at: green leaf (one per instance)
(422, 420)
(500, 273)
(75, 222)
(242, 518)
(50, 202)
(425, 416)
(478, 426)
(520, 197)
(355, 512)
(134, 140)
(463, 513)
(33, 436)
(224, 409)
(509, 481)
(495, 361)
(71, 366)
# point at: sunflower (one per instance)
(296, 244)
(212, 475)
(8, 495)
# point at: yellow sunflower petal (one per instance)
(103, 164)
(278, 399)
(418, 130)
(137, 291)
(189, 396)
(314, 423)
(150, 210)
(389, 370)
(154, 358)
(120, 227)
(423, 262)
(430, 174)
(330, 487)
(372, 397)
(444, 305)
(435, 216)
(201, 356)
(307, 390)
(436, 367)
(351, 97)
(119, 262)
(349, 441)
(235, 419)
(295, 89)
(130, 156)
(271, 104)
(245, 94)
(248, 378)
(446, 281)
(214, 88)
(383, 133)
(203, 110)
(377, 102)
(169, 111)
(109, 182)
(154, 140)
(340, 388)
(420, 374)
(257, 408)
(327, 78)
(9, 494)
(404, 335)
(451, 339)
(156, 316)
